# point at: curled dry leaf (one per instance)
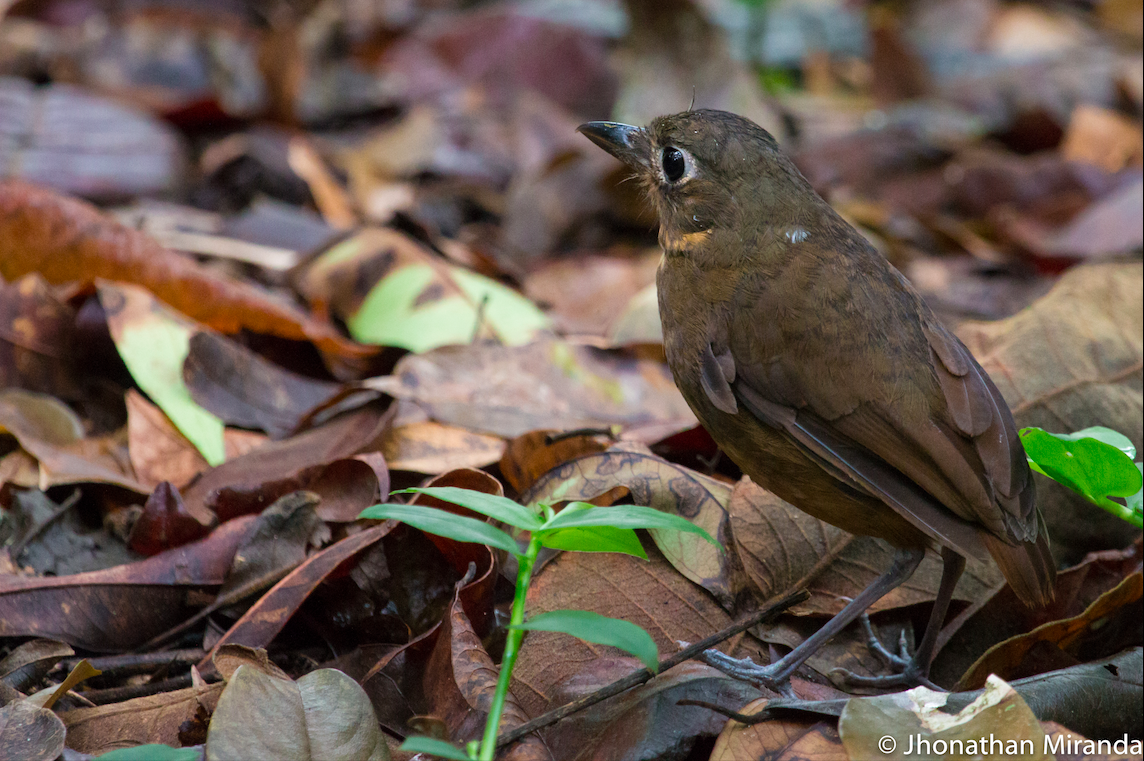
(655, 482)
(139, 721)
(1072, 360)
(69, 240)
(1066, 637)
(914, 716)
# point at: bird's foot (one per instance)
(747, 670)
(910, 672)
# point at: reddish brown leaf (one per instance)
(256, 479)
(530, 456)
(121, 607)
(165, 522)
(151, 719)
(36, 334)
(65, 240)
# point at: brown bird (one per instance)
(819, 370)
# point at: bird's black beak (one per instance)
(625, 142)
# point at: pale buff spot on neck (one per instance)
(682, 241)
(795, 234)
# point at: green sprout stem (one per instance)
(513, 639)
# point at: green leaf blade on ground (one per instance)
(153, 342)
(434, 747)
(623, 516)
(501, 508)
(592, 627)
(444, 523)
(420, 307)
(594, 539)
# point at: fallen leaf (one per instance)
(778, 739)
(247, 391)
(528, 457)
(587, 293)
(1102, 137)
(153, 341)
(265, 618)
(1009, 659)
(166, 522)
(324, 715)
(906, 718)
(68, 240)
(508, 391)
(414, 299)
(433, 448)
(29, 732)
(139, 721)
(124, 605)
(37, 331)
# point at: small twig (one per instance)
(612, 432)
(639, 677)
(119, 694)
(19, 547)
(131, 664)
(742, 718)
(480, 318)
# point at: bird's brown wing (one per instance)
(951, 467)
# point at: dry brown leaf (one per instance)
(36, 337)
(1073, 359)
(650, 594)
(124, 605)
(66, 240)
(140, 721)
(1007, 658)
(428, 447)
(1102, 137)
(778, 739)
(530, 456)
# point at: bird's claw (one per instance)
(909, 672)
(746, 670)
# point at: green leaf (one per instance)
(153, 752)
(444, 523)
(1100, 433)
(1136, 501)
(153, 342)
(434, 747)
(501, 508)
(579, 514)
(594, 539)
(592, 627)
(1093, 468)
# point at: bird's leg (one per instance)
(776, 676)
(913, 670)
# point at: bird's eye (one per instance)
(674, 164)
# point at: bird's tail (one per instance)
(1028, 567)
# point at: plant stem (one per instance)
(511, 649)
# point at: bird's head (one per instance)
(705, 171)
